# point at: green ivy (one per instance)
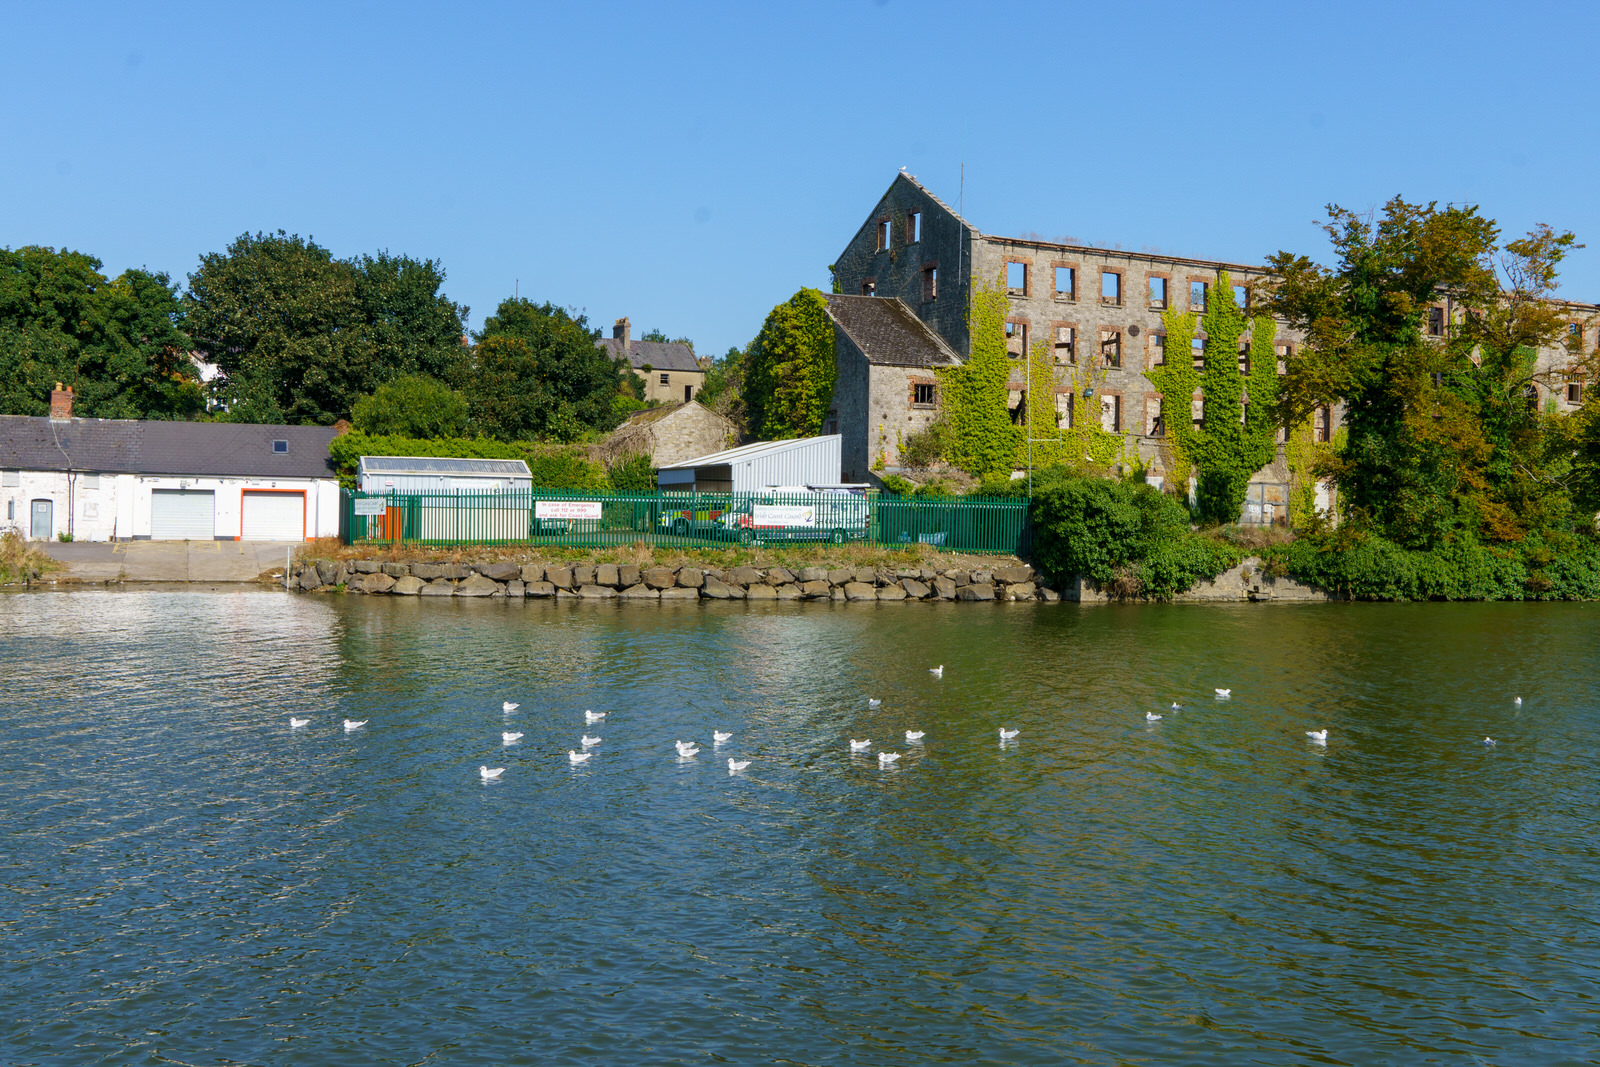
(789, 369)
(1083, 439)
(981, 438)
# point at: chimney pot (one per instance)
(61, 403)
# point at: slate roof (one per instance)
(660, 355)
(128, 446)
(888, 332)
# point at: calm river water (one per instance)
(184, 879)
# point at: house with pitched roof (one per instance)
(131, 479)
(671, 372)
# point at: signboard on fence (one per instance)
(566, 509)
(763, 515)
(371, 505)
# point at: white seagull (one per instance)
(874, 702)
(688, 748)
(1151, 716)
(1489, 742)
(1175, 706)
(489, 774)
(508, 706)
(593, 716)
(1224, 694)
(718, 736)
(295, 724)
(914, 736)
(588, 742)
(737, 764)
(858, 746)
(351, 724)
(1007, 735)
(509, 737)
(1319, 736)
(577, 757)
(1517, 702)
(937, 672)
(887, 758)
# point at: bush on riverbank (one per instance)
(1366, 566)
(1124, 535)
(20, 561)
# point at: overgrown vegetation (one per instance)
(553, 466)
(20, 561)
(789, 370)
(979, 436)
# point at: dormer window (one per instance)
(280, 447)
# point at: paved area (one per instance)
(168, 561)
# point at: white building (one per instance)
(809, 461)
(124, 479)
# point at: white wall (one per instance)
(118, 508)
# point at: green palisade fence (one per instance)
(580, 519)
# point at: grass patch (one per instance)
(20, 562)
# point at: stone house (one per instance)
(670, 434)
(672, 374)
(1098, 309)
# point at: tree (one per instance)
(412, 405)
(1441, 437)
(539, 373)
(301, 336)
(723, 391)
(789, 369)
(119, 344)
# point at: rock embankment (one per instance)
(625, 581)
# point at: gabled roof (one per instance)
(649, 415)
(751, 451)
(130, 446)
(888, 332)
(658, 355)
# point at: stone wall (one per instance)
(1246, 582)
(600, 581)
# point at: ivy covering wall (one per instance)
(1070, 437)
(789, 369)
(981, 438)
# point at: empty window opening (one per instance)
(1158, 292)
(1016, 279)
(280, 447)
(1017, 339)
(922, 394)
(913, 227)
(1531, 395)
(1197, 350)
(1197, 412)
(1241, 297)
(1322, 424)
(1064, 409)
(1110, 287)
(1019, 409)
(1574, 392)
(1013, 399)
(930, 283)
(1158, 350)
(1155, 423)
(1111, 347)
(1065, 351)
(869, 287)
(1284, 352)
(883, 234)
(1111, 412)
(1197, 296)
(1066, 281)
(1436, 322)
(1244, 357)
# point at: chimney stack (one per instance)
(61, 403)
(623, 332)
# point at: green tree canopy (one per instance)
(119, 344)
(412, 405)
(301, 335)
(789, 369)
(537, 372)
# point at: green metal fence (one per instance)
(681, 520)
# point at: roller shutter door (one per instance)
(274, 516)
(183, 515)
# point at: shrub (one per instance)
(632, 474)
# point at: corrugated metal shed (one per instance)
(808, 461)
(422, 474)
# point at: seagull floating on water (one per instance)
(857, 746)
(914, 736)
(887, 758)
(718, 736)
(489, 774)
(351, 724)
(508, 737)
(1175, 706)
(688, 748)
(737, 764)
(1007, 735)
(589, 742)
(593, 716)
(1151, 716)
(295, 724)
(1224, 694)
(874, 702)
(1489, 742)
(937, 672)
(509, 706)
(1517, 702)
(1319, 736)
(577, 757)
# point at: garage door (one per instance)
(274, 516)
(183, 514)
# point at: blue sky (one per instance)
(691, 165)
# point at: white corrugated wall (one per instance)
(813, 461)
